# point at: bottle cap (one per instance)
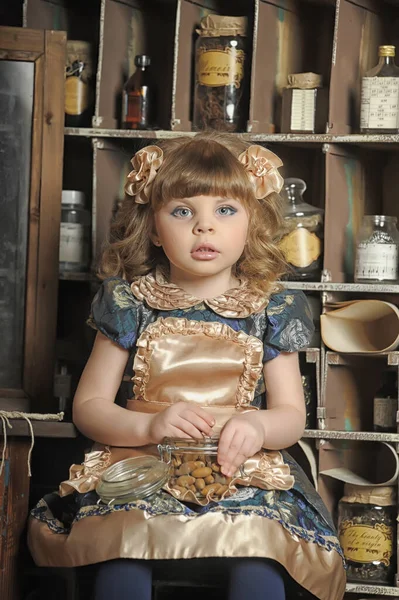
(142, 60)
(73, 197)
(386, 51)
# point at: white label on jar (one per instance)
(72, 243)
(379, 103)
(303, 110)
(385, 412)
(376, 261)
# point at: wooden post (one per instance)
(14, 497)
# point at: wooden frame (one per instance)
(47, 50)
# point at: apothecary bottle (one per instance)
(367, 533)
(385, 404)
(79, 92)
(380, 95)
(74, 232)
(377, 250)
(221, 83)
(138, 96)
(302, 233)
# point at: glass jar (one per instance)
(79, 93)
(221, 91)
(367, 528)
(385, 404)
(195, 473)
(377, 250)
(187, 468)
(74, 232)
(302, 233)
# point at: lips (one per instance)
(204, 247)
(204, 251)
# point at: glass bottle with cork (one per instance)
(386, 404)
(302, 233)
(380, 95)
(138, 96)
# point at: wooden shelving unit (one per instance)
(347, 174)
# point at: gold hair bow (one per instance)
(262, 166)
(145, 163)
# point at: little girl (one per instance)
(191, 311)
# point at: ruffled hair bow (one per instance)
(262, 166)
(145, 166)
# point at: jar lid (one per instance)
(380, 496)
(132, 479)
(216, 25)
(73, 197)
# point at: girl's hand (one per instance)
(181, 420)
(241, 438)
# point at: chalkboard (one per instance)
(16, 108)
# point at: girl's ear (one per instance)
(155, 239)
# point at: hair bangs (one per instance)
(201, 168)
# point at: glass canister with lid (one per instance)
(74, 232)
(377, 250)
(187, 468)
(221, 91)
(367, 533)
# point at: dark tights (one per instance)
(252, 578)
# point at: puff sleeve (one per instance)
(289, 323)
(114, 312)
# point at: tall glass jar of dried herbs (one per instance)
(221, 82)
(367, 533)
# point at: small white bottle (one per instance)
(74, 232)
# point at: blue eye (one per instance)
(226, 210)
(181, 212)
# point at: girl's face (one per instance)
(201, 236)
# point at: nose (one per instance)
(203, 226)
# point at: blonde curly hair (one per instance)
(205, 164)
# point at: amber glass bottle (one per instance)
(137, 96)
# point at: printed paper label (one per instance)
(303, 110)
(379, 103)
(72, 243)
(377, 261)
(365, 544)
(220, 67)
(301, 247)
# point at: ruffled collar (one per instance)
(239, 302)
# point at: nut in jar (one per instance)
(195, 474)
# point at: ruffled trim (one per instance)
(84, 478)
(237, 303)
(252, 348)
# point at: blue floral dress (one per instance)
(211, 352)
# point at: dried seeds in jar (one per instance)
(367, 528)
(221, 82)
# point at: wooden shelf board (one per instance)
(75, 276)
(382, 140)
(355, 588)
(53, 429)
(359, 436)
(358, 288)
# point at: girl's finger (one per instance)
(225, 440)
(236, 464)
(188, 428)
(233, 451)
(205, 415)
(200, 423)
